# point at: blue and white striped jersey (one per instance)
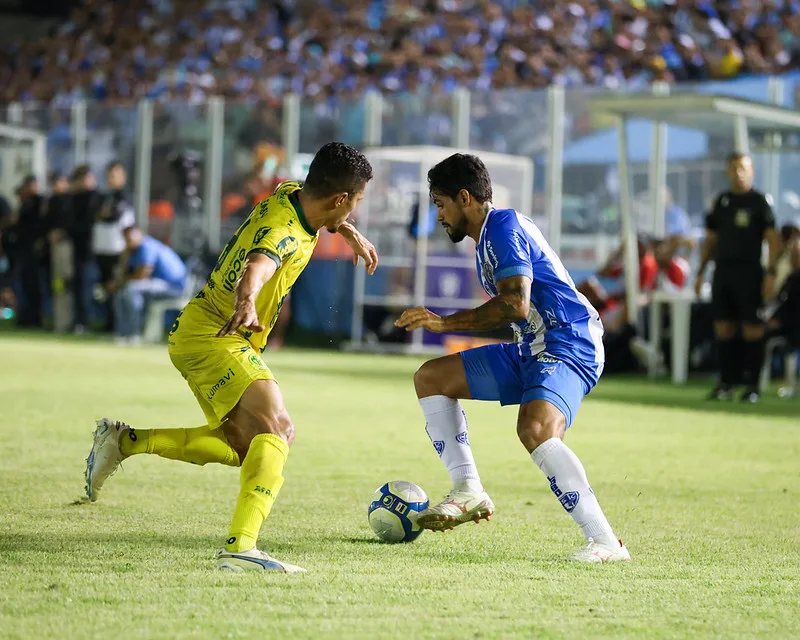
(561, 321)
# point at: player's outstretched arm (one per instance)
(511, 304)
(362, 248)
(258, 269)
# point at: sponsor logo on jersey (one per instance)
(287, 247)
(221, 383)
(260, 235)
(548, 370)
(488, 273)
(547, 358)
(492, 254)
(234, 270)
(742, 218)
(550, 318)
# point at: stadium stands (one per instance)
(189, 49)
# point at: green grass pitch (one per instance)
(707, 498)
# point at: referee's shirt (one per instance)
(740, 221)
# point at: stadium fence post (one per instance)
(78, 129)
(554, 176)
(214, 160)
(657, 180)
(628, 225)
(144, 160)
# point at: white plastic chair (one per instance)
(154, 324)
(790, 365)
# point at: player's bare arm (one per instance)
(362, 248)
(258, 269)
(709, 244)
(511, 304)
(773, 238)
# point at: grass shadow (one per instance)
(638, 391)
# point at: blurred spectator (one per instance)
(59, 204)
(611, 306)
(790, 234)
(84, 207)
(32, 251)
(676, 220)
(784, 321)
(114, 215)
(7, 245)
(152, 271)
(167, 50)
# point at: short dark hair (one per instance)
(80, 172)
(789, 232)
(337, 168)
(736, 156)
(461, 171)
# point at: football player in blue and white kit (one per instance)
(556, 360)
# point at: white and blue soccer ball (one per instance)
(393, 509)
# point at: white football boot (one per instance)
(253, 560)
(596, 552)
(457, 508)
(105, 456)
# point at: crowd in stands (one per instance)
(188, 49)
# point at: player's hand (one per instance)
(244, 315)
(698, 285)
(362, 248)
(768, 286)
(420, 318)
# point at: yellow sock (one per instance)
(261, 479)
(200, 445)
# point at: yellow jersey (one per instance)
(276, 227)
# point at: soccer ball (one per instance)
(393, 509)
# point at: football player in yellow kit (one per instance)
(217, 341)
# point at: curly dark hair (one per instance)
(461, 171)
(337, 168)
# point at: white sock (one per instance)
(447, 429)
(569, 484)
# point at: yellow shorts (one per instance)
(218, 370)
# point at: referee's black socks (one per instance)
(753, 361)
(730, 363)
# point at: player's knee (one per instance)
(428, 381)
(281, 425)
(240, 429)
(538, 424)
(725, 330)
(753, 332)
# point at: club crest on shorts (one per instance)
(257, 362)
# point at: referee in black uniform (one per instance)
(736, 228)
